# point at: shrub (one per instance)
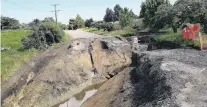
(76, 23)
(125, 18)
(103, 25)
(43, 36)
(72, 27)
(107, 26)
(97, 24)
(72, 24)
(138, 24)
(62, 26)
(34, 24)
(116, 26)
(88, 22)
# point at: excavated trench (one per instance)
(132, 76)
(140, 83)
(47, 73)
(89, 91)
(155, 78)
(147, 85)
(102, 46)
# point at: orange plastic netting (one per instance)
(192, 32)
(189, 31)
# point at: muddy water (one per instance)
(79, 98)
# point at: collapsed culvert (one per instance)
(131, 78)
(146, 81)
(134, 86)
(104, 58)
(99, 50)
(71, 69)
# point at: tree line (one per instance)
(117, 13)
(12, 23)
(154, 15)
(9, 23)
(124, 17)
(158, 14)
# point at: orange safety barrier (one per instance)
(189, 31)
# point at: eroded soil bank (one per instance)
(134, 77)
(57, 74)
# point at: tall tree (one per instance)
(79, 21)
(117, 10)
(148, 9)
(36, 21)
(9, 22)
(189, 11)
(109, 16)
(159, 13)
(163, 17)
(132, 14)
(88, 22)
(143, 10)
(125, 18)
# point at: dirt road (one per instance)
(75, 34)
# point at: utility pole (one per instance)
(55, 7)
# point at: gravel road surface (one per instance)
(75, 34)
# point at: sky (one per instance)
(27, 10)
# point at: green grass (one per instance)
(123, 32)
(176, 38)
(11, 59)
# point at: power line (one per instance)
(56, 11)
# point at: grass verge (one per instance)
(13, 57)
(177, 39)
